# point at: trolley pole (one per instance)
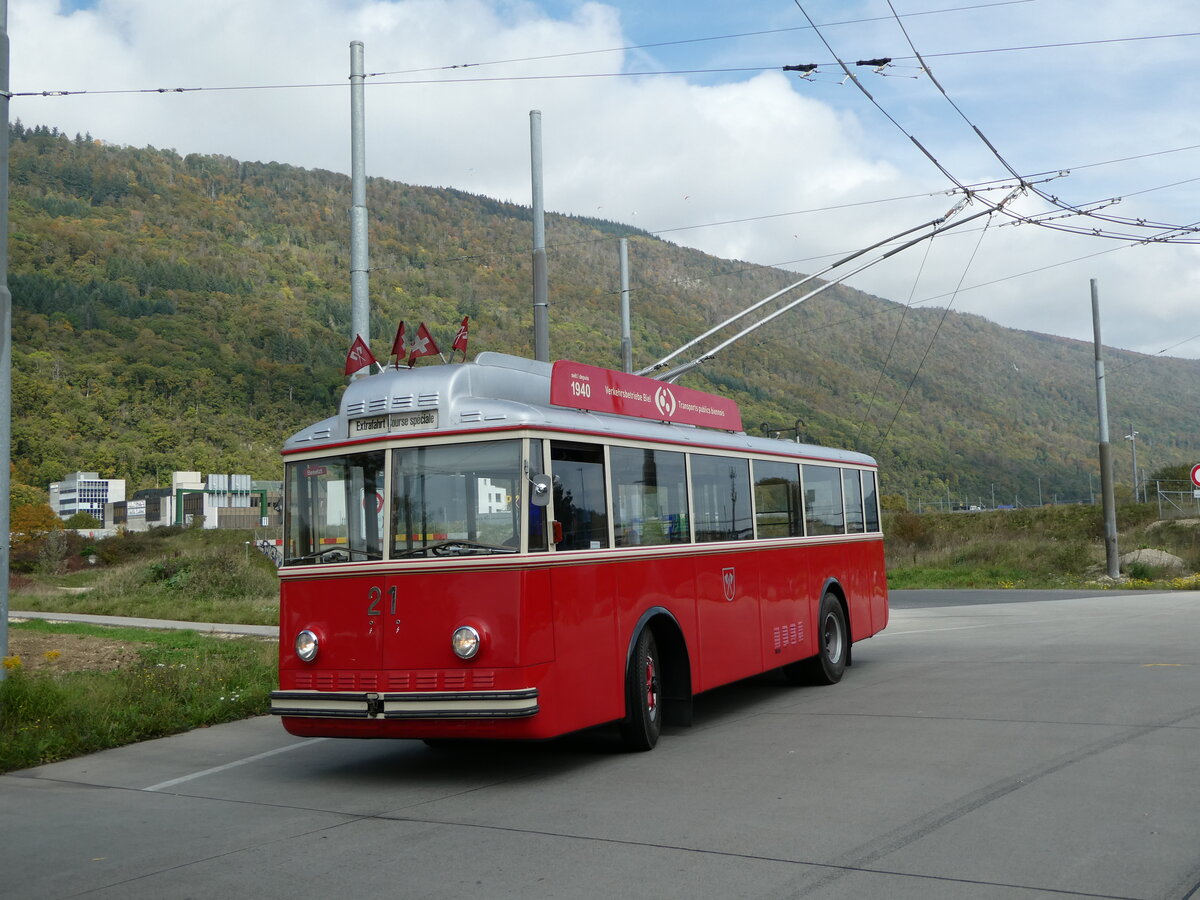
(360, 319)
(5, 347)
(1106, 478)
(541, 290)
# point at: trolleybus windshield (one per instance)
(457, 499)
(334, 509)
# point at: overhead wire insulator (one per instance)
(877, 64)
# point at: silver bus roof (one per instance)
(499, 391)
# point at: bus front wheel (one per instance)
(643, 695)
(833, 648)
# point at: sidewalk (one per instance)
(271, 631)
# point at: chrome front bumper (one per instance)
(406, 705)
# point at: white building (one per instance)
(220, 501)
(492, 498)
(85, 492)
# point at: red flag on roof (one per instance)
(422, 345)
(359, 357)
(460, 339)
(399, 345)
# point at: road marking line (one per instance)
(232, 765)
(889, 633)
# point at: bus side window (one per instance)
(721, 495)
(870, 500)
(852, 492)
(777, 499)
(650, 497)
(580, 503)
(823, 500)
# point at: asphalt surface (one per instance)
(1002, 746)
(135, 622)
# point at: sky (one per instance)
(1073, 120)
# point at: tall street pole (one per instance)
(360, 319)
(541, 289)
(5, 345)
(1106, 478)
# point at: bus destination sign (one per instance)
(579, 386)
(387, 424)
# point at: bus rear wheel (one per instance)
(833, 642)
(643, 696)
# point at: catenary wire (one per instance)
(1167, 233)
(1053, 200)
(933, 339)
(895, 339)
(563, 76)
(699, 40)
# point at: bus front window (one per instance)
(333, 510)
(457, 499)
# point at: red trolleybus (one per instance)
(510, 549)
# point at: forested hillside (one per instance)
(190, 312)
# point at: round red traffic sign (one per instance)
(1196, 475)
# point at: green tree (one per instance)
(24, 495)
(82, 519)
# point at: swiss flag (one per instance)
(359, 357)
(399, 346)
(422, 345)
(460, 339)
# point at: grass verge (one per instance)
(1051, 548)
(173, 682)
(184, 580)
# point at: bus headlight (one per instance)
(306, 645)
(465, 642)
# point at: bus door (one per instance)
(727, 580)
(584, 594)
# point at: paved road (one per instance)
(1045, 748)
(135, 622)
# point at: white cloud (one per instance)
(665, 151)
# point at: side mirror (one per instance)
(541, 490)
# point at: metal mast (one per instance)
(541, 291)
(1106, 478)
(5, 345)
(359, 264)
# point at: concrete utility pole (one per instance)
(1106, 480)
(5, 347)
(360, 309)
(541, 288)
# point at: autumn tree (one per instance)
(33, 520)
